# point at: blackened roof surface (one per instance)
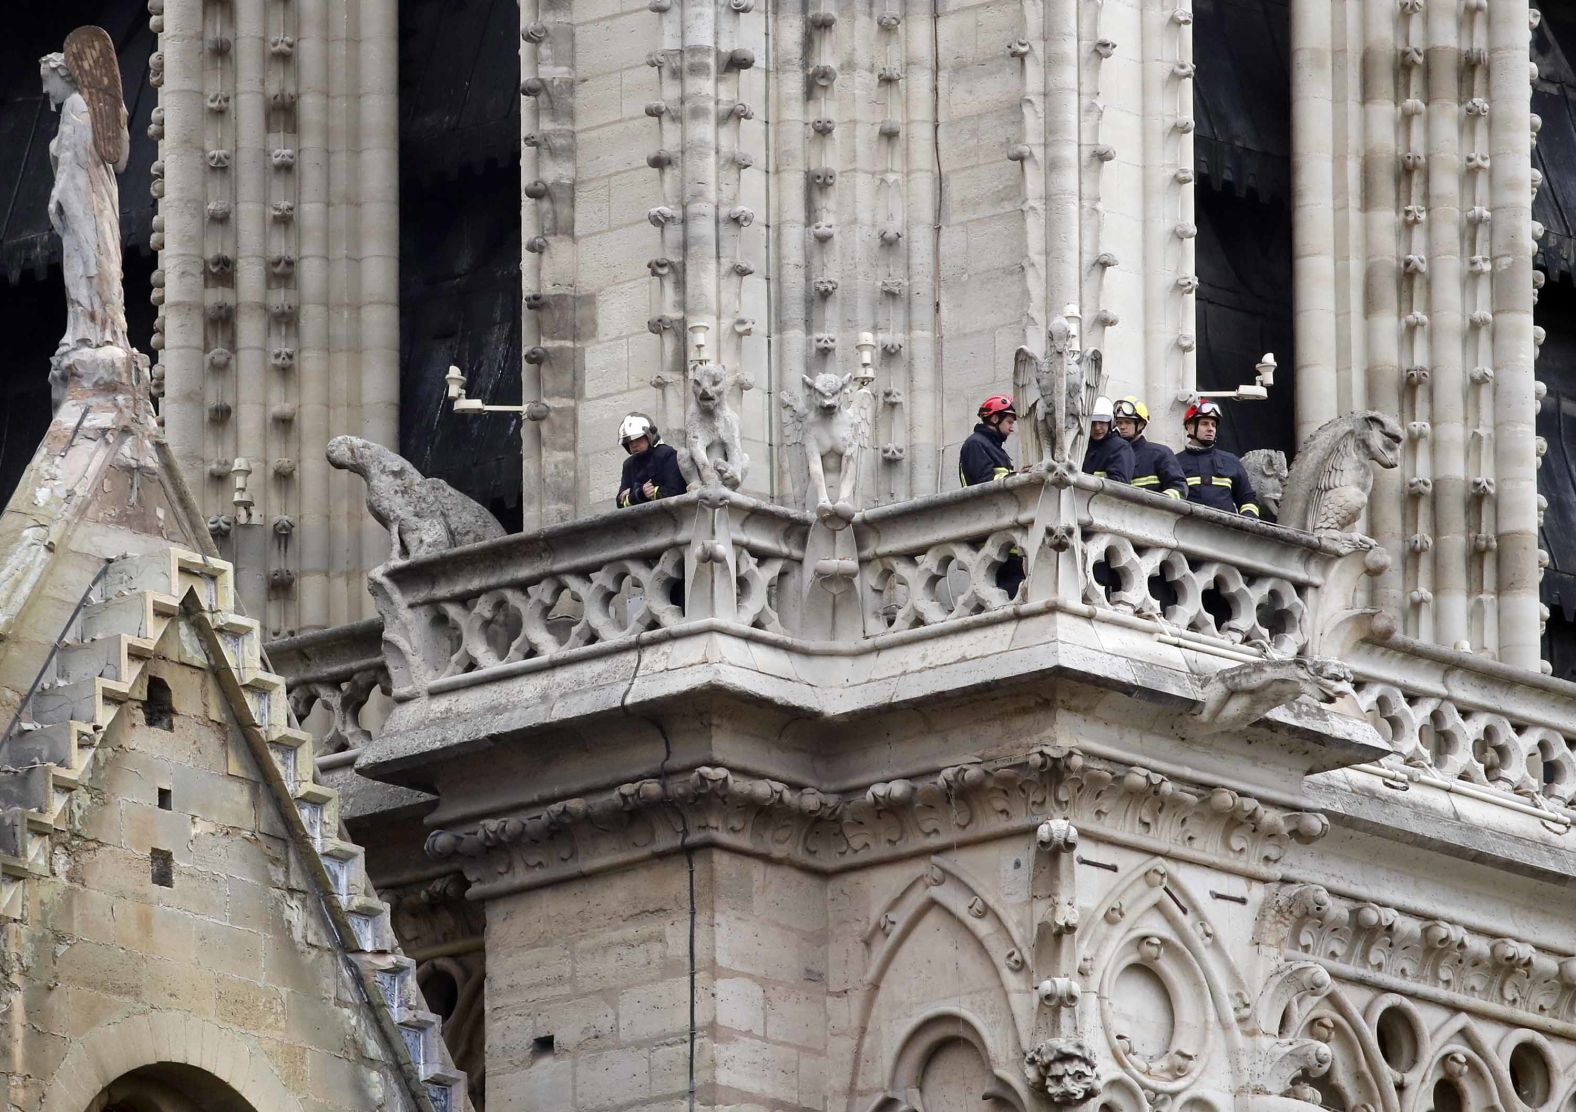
(1554, 101)
(1242, 141)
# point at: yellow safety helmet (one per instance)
(1130, 406)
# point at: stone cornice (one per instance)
(824, 832)
(1372, 943)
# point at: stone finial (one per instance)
(422, 515)
(1328, 485)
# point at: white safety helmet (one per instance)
(1103, 410)
(635, 426)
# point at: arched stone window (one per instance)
(168, 1087)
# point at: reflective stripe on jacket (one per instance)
(983, 457)
(658, 464)
(1217, 479)
(1155, 468)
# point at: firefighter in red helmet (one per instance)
(984, 454)
(983, 458)
(1215, 477)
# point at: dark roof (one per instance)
(460, 303)
(1242, 98)
(1554, 101)
(459, 86)
(27, 125)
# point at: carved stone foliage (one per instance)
(1064, 1070)
(1486, 747)
(1357, 939)
(829, 832)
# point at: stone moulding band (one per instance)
(828, 833)
(1394, 950)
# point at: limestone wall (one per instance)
(178, 927)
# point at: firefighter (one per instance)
(984, 458)
(1108, 455)
(984, 454)
(1154, 465)
(1215, 477)
(652, 469)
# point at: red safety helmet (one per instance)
(997, 405)
(1201, 408)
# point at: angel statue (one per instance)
(89, 149)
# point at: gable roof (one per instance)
(137, 605)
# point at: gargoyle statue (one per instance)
(1060, 375)
(1267, 472)
(833, 431)
(712, 453)
(1329, 482)
(422, 515)
(1239, 696)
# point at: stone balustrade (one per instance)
(1239, 589)
(334, 675)
(1470, 722)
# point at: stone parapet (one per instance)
(1180, 574)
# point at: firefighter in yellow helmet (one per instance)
(1155, 466)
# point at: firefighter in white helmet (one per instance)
(1108, 456)
(652, 469)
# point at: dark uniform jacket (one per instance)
(1155, 469)
(983, 457)
(658, 464)
(1111, 458)
(1217, 479)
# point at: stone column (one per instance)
(1509, 135)
(1313, 214)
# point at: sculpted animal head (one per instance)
(1379, 438)
(825, 390)
(708, 381)
(348, 453)
(1267, 471)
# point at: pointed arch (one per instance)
(919, 1044)
(945, 888)
(1153, 886)
(1478, 1072)
(1359, 1070)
